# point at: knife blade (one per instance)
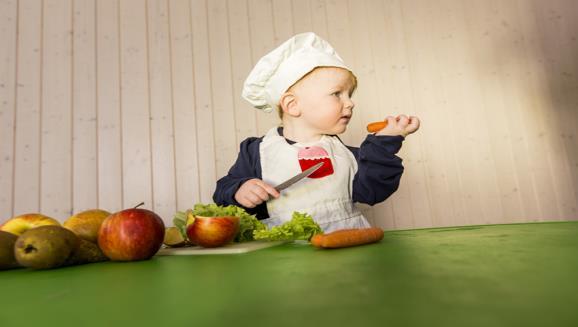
(298, 177)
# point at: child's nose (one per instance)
(348, 104)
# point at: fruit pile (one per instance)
(40, 242)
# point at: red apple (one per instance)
(131, 234)
(211, 232)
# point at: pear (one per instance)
(7, 259)
(45, 247)
(86, 224)
(87, 252)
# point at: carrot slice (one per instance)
(376, 126)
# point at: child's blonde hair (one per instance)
(351, 75)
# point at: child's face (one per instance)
(324, 99)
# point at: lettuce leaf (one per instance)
(180, 222)
(300, 227)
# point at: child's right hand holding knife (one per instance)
(392, 126)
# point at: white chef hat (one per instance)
(282, 67)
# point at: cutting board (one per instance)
(232, 248)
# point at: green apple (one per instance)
(19, 224)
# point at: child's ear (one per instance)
(288, 103)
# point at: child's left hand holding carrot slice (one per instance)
(393, 126)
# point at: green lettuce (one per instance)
(300, 227)
(180, 222)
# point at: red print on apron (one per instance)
(312, 155)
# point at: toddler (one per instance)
(311, 87)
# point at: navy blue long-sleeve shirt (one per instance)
(378, 174)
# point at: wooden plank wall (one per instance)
(109, 103)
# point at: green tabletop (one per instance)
(499, 275)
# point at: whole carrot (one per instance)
(347, 237)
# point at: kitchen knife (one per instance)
(298, 177)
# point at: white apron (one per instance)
(325, 195)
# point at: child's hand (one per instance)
(400, 125)
(254, 192)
